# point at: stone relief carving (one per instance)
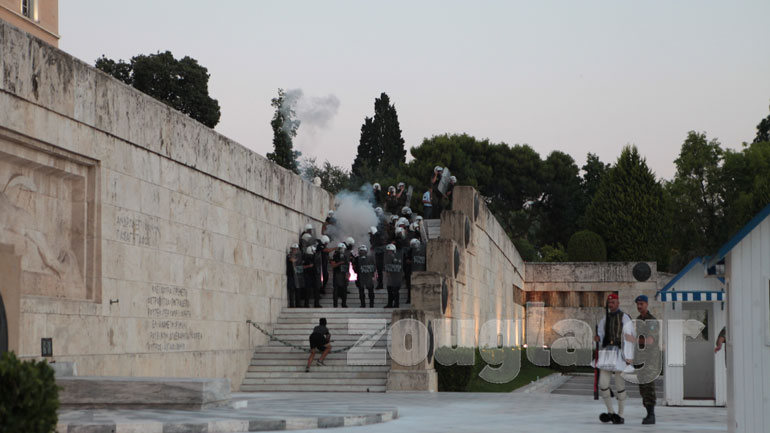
(56, 256)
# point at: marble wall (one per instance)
(144, 239)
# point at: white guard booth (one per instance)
(744, 263)
(694, 314)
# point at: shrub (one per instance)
(29, 397)
(452, 378)
(586, 246)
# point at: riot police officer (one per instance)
(340, 266)
(364, 266)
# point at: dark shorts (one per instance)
(317, 341)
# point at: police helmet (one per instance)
(325, 239)
(294, 246)
(390, 247)
(341, 246)
(308, 227)
(376, 186)
(306, 237)
(363, 249)
(414, 243)
(452, 179)
(372, 230)
(349, 241)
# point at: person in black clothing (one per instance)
(340, 266)
(393, 274)
(319, 341)
(364, 266)
(449, 190)
(376, 195)
(323, 248)
(295, 280)
(436, 195)
(311, 287)
(377, 241)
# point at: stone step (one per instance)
(307, 328)
(312, 388)
(284, 368)
(322, 312)
(288, 349)
(319, 372)
(302, 361)
(331, 362)
(331, 320)
(313, 379)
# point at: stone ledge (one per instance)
(106, 392)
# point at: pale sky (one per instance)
(577, 76)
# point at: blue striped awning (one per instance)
(693, 296)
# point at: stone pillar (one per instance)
(411, 346)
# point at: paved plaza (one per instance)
(417, 412)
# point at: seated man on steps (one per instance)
(319, 340)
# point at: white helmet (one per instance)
(363, 249)
(325, 239)
(310, 250)
(393, 218)
(400, 184)
(402, 222)
(349, 241)
(378, 211)
(400, 232)
(438, 168)
(414, 243)
(376, 186)
(452, 179)
(390, 247)
(372, 230)
(406, 210)
(330, 213)
(391, 188)
(418, 218)
(306, 237)
(308, 227)
(341, 246)
(415, 226)
(294, 246)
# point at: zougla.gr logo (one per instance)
(410, 342)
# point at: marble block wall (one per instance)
(140, 240)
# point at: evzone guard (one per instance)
(617, 339)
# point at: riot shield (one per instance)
(394, 269)
(418, 258)
(366, 269)
(443, 183)
(341, 272)
(409, 191)
(299, 271)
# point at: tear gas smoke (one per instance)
(354, 215)
(314, 113)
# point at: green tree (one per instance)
(333, 178)
(550, 253)
(284, 127)
(763, 131)
(181, 83)
(586, 246)
(381, 147)
(561, 203)
(629, 211)
(697, 199)
(746, 177)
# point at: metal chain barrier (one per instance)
(305, 349)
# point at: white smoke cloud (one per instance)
(354, 215)
(314, 113)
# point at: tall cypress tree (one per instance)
(284, 130)
(381, 147)
(629, 211)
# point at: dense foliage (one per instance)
(586, 246)
(29, 397)
(181, 83)
(285, 127)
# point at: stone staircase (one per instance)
(432, 228)
(277, 367)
